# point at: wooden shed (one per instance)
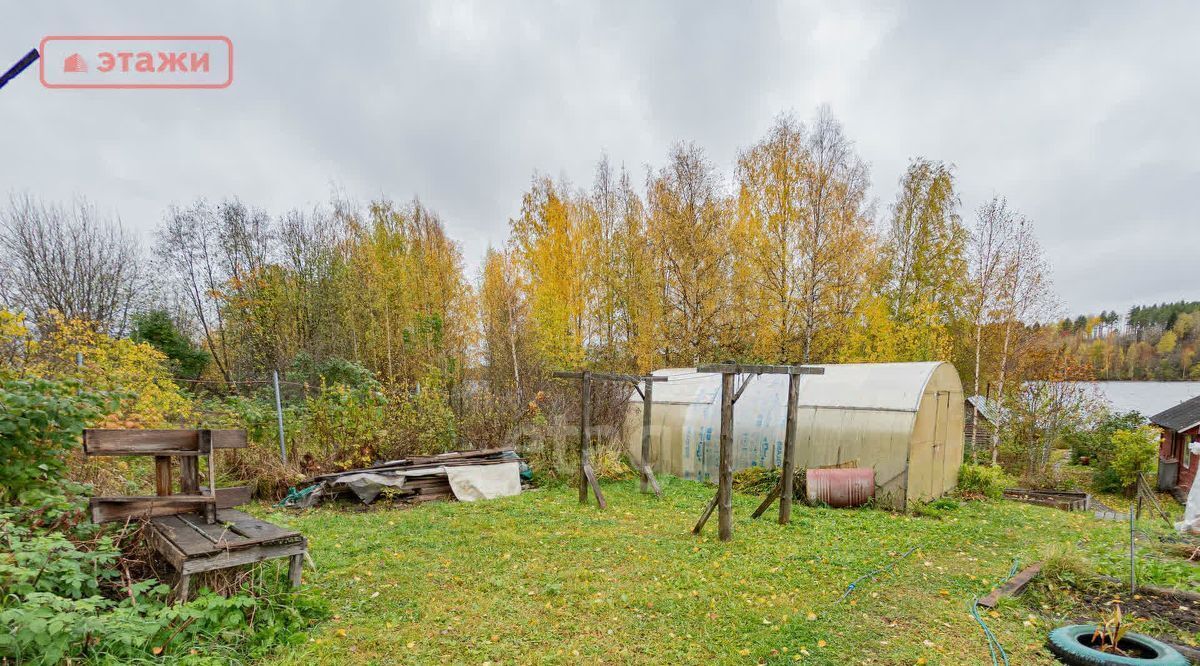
(1180, 427)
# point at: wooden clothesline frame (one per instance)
(644, 385)
(723, 500)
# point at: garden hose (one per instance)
(994, 646)
(852, 586)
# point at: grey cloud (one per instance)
(1080, 113)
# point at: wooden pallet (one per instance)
(192, 546)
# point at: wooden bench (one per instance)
(197, 530)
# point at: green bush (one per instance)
(1106, 480)
(1134, 452)
(40, 422)
(65, 598)
(761, 480)
(982, 480)
(1096, 443)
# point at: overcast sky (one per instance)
(1085, 115)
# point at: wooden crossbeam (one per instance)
(108, 509)
(611, 377)
(107, 442)
(740, 369)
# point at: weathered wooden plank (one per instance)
(254, 528)
(220, 535)
(108, 509)
(1012, 588)
(223, 559)
(113, 442)
(235, 496)
(165, 547)
(182, 536)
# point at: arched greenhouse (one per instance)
(905, 420)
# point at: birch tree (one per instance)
(991, 241)
(925, 266)
(1024, 297)
(69, 259)
(689, 228)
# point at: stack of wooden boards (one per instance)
(415, 479)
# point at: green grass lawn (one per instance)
(540, 579)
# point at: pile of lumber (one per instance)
(423, 477)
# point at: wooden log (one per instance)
(708, 511)
(162, 475)
(787, 482)
(738, 368)
(648, 480)
(111, 442)
(649, 475)
(725, 464)
(1013, 587)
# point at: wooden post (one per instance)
(725, 465)
(787, 483)
(210, 509)
(162, 475)
(295, 566)
(189, 476)
(585, 433)
(279, 418)
(724, 499)
(647, 406)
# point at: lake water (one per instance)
(1148, 398)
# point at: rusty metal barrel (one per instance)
(840, 487)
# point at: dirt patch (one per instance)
(1175, 618)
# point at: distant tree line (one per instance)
(784, 258)
(1156, 342)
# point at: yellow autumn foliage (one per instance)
(150, 399)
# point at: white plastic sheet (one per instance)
(474, 482)
(1191, 513)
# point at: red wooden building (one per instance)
(1177, 465)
